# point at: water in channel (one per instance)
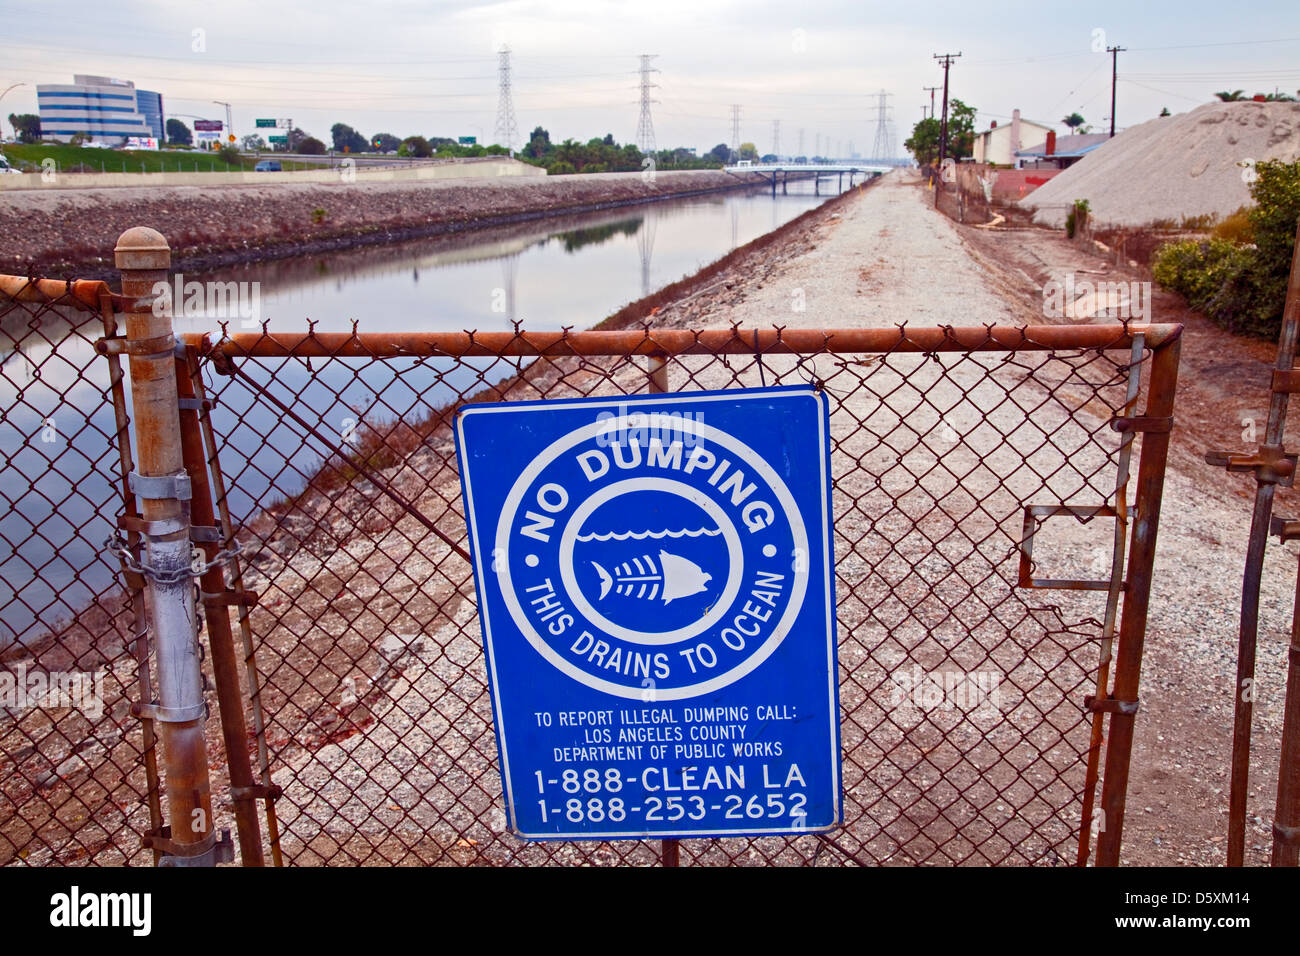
(59, 504)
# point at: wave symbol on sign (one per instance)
(675, 577)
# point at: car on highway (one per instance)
(268, 166)
(6, 168)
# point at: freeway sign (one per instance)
(466, 140)
(655, 586)
(264, 123)
(278, 139)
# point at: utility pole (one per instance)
(946, 59)
(230, 125)
(735, 129)
(931, 90)
(1114, 52)
(507, 131)
(776, 139)
(645, 127)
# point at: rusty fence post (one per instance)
(163, 489)
(1286, 819)
(1123, 702)
(217, 598)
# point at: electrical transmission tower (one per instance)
(883, 147)
(776, 138)
(645, 127)
(735, 129)
(800, 150)
(507, 131)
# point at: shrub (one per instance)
(1235, 227)
(1077, 218)
(229, 154)
(1241, 286)
(311, 146)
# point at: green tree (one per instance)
(178, 134)
(1074, 121)
(748, 151)
(27, 127)
(539, 144)
(923, 144)
(961, 130)
(253, 143)
(721, 152)
(385, 142)
(347, 140)
(311, 146)
(1231, 96)
(417, 146)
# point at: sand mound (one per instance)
(1174, 167)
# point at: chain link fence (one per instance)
(967, 650)
(981, 495)
(77, 777)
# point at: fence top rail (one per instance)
(81, 293)
(651, 341)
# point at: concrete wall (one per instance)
(477, 169)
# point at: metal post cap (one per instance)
(142, 248)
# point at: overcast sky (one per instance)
(409, 67)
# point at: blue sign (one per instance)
(655, 585)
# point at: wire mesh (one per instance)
(965, 739)
(75, 777)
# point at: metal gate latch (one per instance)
(1271, 465)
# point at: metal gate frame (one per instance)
(1118, 707)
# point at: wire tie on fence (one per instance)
(1109, 705)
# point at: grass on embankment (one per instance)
(72, 158)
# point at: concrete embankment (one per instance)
(74, 230)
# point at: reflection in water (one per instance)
(549, 274)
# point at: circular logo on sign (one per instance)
(651, 556)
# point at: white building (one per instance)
(103, 109)
(999, 144)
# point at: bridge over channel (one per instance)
(781, 171)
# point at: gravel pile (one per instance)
(1175, 167)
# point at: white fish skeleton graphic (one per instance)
(675, 577)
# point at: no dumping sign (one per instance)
(655, 586)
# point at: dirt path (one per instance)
(888, 258)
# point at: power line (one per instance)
(946, 59)
(931, 90)
(883, 147)
(645, 127)
(1114, 52)
(507, 130)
